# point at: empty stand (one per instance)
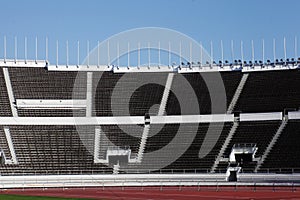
(142, 96)
(199, 86)
(50, 113)
(53, 149)
(285, 153)
(256, 132)
(38, 83)
(121, 136)
(161, 136)
(270, 91)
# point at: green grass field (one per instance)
(17, 197)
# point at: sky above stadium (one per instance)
(202, 20)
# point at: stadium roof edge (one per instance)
(189, 68)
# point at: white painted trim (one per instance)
(181, 69)
(97, 143)
(89, 94)
(154, 68)
(10, 92)
(294, 115)
(143, 143)
(113, 120)
(209, 68)
(23, 63)
(170, 119)
(10, 145)
(80, 68)
(260, 116)
(237, 93)
(143, 69)
(51, 103)
(70, 120)
(143, 180)
(164, 100)
(191, 119)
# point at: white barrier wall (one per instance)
(294, 115)
(114, 120)
(261, 116)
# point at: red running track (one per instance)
(165, 193)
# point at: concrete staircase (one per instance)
(271, 144)
(11, 147)
(97, 144)
(143, 143)
(225, 145)
(237, 93)
(10, 92)
(164, 100)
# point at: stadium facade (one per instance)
(198, 121)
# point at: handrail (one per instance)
(13, 172)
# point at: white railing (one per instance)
(107, 171)
(145, 180)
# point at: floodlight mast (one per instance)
(16, 49)
(128, 54)
(98, 54)
(252, 47)
(118, 53)
(263, 50)
(36, 49)
(67, 53)
(149, 58)
(207, 63)
(4, 44)
(211, 53)
(242, 53)
(25, 49)
(108, 56)
(87, 52)
(159, 62)
(139, 55)
(180, 54)
(56, 52)
(201, 54)
(274, 49)
(78, 52)
(296, 47)
(169, 54)
(46, 49)
(284, 49)
(191, 58)
(222, 54)
(232, 51)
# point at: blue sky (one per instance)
(203, 20)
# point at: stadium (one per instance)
(176, 131)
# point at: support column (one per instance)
(89, 94)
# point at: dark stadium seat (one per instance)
(256, 132)
(270, 91)
(38, 83)
(53, 150)
(199, 86)
(286, 151)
